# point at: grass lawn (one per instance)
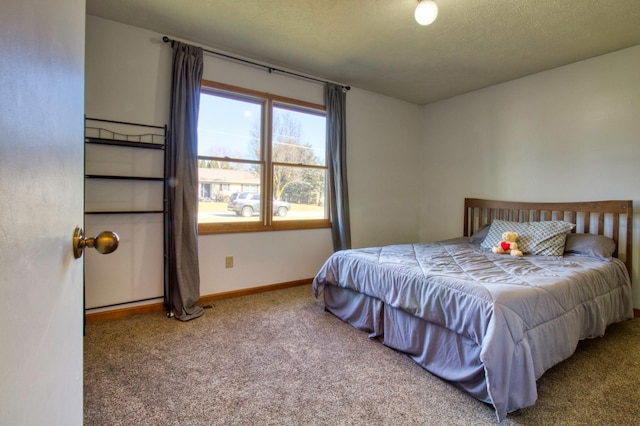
(217, 212)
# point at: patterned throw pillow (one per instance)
(545, 238)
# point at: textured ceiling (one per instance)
(376, 45)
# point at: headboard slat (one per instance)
(587, 222)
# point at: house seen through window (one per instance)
(261, 161)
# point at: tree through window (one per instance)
(256, 143)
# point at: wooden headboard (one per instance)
(612, 218)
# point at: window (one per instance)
(251, 144)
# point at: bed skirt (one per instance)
(425, 343)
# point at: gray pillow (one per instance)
(546, 238)
(480, 235)
(592, 245)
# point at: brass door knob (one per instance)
(105, 242)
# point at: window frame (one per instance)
(266, 222)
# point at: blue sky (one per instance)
(227, 127)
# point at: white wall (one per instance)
(128, 79)
(567, 134)
(383, 169)
(128, 73)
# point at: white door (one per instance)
(41, 202)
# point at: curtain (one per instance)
(335, 99)
(182, 185)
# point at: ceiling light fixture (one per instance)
(426, 12)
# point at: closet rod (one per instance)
(259, 65)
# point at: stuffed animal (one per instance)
(508, 245)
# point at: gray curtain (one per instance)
(335, 99)
(182, 187)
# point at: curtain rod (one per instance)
(270, 69)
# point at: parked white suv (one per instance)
(247, 204)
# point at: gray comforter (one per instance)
(524, 314)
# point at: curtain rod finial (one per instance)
(167, 40)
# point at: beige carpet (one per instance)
(277, 358)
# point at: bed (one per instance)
(489, 323)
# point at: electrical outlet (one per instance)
(228, 262)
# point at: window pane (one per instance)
(229, 127)
(228, 192)
(303, 188)
(252, 144)
(299, 137)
